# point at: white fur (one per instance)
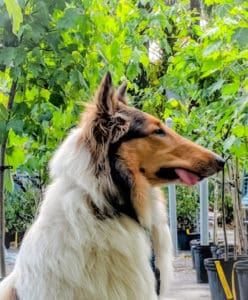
(69, 254)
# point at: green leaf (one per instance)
(212, 48)
(69, 18)
(240, 131)
(32, 164)
(20, 110)
(144, 59)
(15, 151)
(132, 70)
(210, 67)
(8, 181)
(15, 12)
(7, 55)
(54, 39)
(35, 69)
(16, 126)
(230, 89)
(229, 142)
(20, 56)
(241, 36)
(114, 49)
(16, 72)
(46, 116)
(216, 86)
(3, 113)
(211, 2)
(174, 103)
(15, 156)
(223, 9)
(77, 78)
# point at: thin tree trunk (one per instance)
(223, 213)
(232, 193)
(2, 169)
(239, 209)
(239, 231)
(196, 4)
(215, 229)
(195, 7)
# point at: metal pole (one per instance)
(204, 212)
(172, 207)
(173, 215)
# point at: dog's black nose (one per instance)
(220, 162)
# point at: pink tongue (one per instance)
(187, 177)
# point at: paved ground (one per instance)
(184, 285)
(10, 257)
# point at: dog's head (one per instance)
(127, 138)
(131, 151)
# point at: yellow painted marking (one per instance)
(233, 282)
(223, 280)
(16, 239)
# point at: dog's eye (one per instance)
(159, 131)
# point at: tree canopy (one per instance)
(57, 52)
(54, 53)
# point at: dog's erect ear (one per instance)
(121, 126)
(105, 95)
(121, 92)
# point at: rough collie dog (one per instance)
(102, 213)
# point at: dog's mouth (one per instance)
(185, 176)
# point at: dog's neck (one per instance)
(115, 210)
(136, 208)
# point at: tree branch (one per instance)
(2, 169)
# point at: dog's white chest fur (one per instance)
(69, 254)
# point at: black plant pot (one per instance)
(9, 237)
(216, 289)
(21, 235)
(241, 271)
(182, 240)
(220, 252)
(201, 252)
(193, 236)
(193, 245)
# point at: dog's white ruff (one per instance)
(69, 254)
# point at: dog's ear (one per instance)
(121, 126)
(121, 92)
(105, 95)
